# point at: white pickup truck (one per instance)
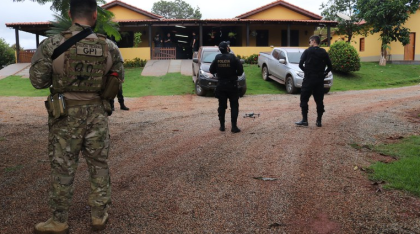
(282, 66)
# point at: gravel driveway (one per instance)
(173, 171)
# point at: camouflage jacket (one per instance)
(41, 71)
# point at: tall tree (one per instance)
(349, 27)
(177, 9)
(62, 22)
(387, 18)
(7, 54)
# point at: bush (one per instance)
(7, 54)
(136, 62)
(252, 59)
(344, 57)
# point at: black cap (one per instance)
(223, 46)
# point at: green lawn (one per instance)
(18, 86)
(136, 85)
(371, 76)
(404, 173)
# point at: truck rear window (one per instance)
(294, 57)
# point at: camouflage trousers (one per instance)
(85, 130)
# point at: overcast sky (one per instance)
(28, 11)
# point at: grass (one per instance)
(256, 85)
(371, 76)
(404, 173)
(136, 85)
(18, 86)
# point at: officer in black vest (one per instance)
(227, 69)
(315, 60)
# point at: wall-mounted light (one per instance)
(179, 26)
(180, 35)
(182, 41)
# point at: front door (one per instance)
(410, 48)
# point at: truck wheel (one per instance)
(290, 85)
(242, 91)
(326, 90)
(265, 73)
(199, 90)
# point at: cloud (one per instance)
(18, 12)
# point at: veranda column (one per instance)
(247, 34)
(150, 40)
(17, 45)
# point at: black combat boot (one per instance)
(304, 121)
(123, 107)
(235, 128)
(112, 105)
(222, 126)
(319, 121)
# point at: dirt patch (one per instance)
(173, 171)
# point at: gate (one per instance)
(25, 56)
(164, 53)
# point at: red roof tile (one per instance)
(27, 24)
(281, 3)
(186, 20)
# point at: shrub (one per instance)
(344, 57)
(7, 54)
(252, 59)
(136, 62)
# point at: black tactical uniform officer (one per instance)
(228, 68)
(120, 100)
(315, 60)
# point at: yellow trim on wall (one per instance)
(131, 53)
(279, 12)
(144, 52)
(122, 13)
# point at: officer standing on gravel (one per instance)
(315, 59)
(74, 65)
(227, 69)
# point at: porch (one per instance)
(247, 36)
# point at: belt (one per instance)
(71, 103)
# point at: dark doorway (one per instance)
(180, 38)
(262, 37)
(127, 40)
(294, 37)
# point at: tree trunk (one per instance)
(382, 61)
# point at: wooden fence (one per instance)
(164, 53)
(25, 56)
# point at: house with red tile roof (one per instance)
(279, 23)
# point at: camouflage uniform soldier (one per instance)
(76, 78)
